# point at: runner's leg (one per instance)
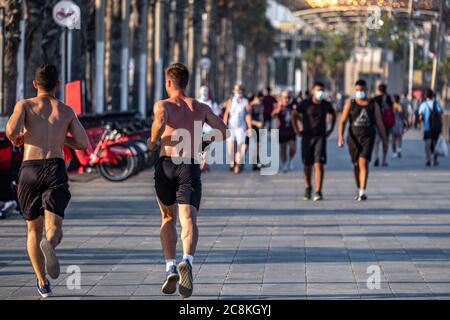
(169, 236)
(189, 233)
(363, 173)
(35, 229)
(319, 175)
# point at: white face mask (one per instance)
(320, 95)
(361, 95)
(204, 94)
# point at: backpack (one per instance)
(389, 117)
(435, 122)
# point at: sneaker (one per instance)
(362, 198)
(46, 290)
(399, 155)
(318, 197)
(428, 164)
(436, 163)
(172, 277)
(186, 284)
(307, 196)
(395, 155)
(377, 163)
(51, 261)
(285, 168)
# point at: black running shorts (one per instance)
(43, 185)
(178, 183)
(361, 148)
(314, 150)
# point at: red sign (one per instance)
(74, 96)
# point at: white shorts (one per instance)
(238, 135)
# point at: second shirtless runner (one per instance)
(178, 175)
(42, 124)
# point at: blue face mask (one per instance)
(320, 95)
(361, 95)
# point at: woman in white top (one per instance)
(238, 118)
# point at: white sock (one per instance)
(362, 192)
(170, 264)
(189, 258)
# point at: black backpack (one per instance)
(436, 124)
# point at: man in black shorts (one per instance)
(364, 116)
(179, 120)
(313, 113)
(42, 124)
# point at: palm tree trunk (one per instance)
(41, 39)
(150, 54)
(13, 16)
(113, 51)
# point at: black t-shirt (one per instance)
(315, 117)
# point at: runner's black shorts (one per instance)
(286, 138)
(43, 185)
(314, 150)
(361, 147)
(178, 183)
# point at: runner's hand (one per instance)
(153, 146)
(340, 142)
(18, 141)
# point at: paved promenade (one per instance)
(259, 239)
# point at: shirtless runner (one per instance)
(178, 175)
(42, 125)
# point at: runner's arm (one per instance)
(248, 119)
(332, 112)
(343, 123)
(159, 125)
(16, 124)
(295, 119)
(79, 139)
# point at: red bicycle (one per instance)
(117, 156)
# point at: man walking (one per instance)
(42, 124)
(178, 175)
(364, 116)
(313, 113)
(431, 115)
(386, 106)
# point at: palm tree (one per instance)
(337, 50)
(113, 46)
(12, 20)
(41, 39)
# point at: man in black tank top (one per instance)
(364, 116)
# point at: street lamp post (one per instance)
(411, 51)
(437, 57)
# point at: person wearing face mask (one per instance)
(257, 113)
(364, 116)
(313, 113)
(204, 97)
(237, 117)
(288, 139)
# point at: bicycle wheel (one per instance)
(120, 171)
